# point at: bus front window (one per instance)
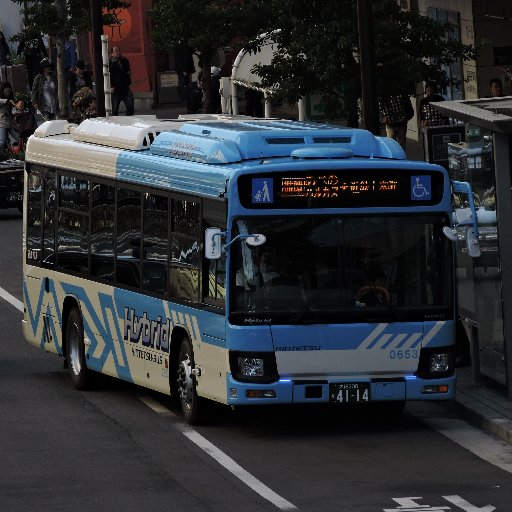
(342, 269)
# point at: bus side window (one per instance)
(155, 243)
(50, 211)
(73, 225)
(102, 231)
(185, 257)
(129, 237)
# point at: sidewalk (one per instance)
(482, 404)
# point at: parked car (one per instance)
(11, 184)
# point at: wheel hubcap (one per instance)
(74, 351)
(185, 383)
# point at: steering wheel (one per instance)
(373, 291)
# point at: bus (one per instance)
(238, 260)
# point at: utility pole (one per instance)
(367, 64)
(97, 31)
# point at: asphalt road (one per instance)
(122, 448)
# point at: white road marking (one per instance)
(498, 453)
(466, 506)
(224, 460)
(11, 299)
(234, 468)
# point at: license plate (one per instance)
(349, 392)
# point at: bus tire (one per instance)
(191, 404)
(79, 375)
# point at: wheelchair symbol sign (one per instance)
(421, 188)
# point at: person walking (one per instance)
(33, 50)
(430, 116)
(44, 91)
(7, 103)
(79, 78)
(120, 81)
(395, 113)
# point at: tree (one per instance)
(319, 47)
(60, 19)
(205, 26)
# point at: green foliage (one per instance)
(319, 44)
(60, 18)
(205, 26)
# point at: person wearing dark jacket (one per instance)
(79, 78)
(33, 50)
(120, 81)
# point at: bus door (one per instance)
(479, 279)
(40, 295)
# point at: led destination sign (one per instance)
(332, 186)
(341, 189)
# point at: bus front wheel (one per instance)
(191, 404)
(78, 372)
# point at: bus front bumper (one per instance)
(289, 391)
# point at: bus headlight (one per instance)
(436, 362)
(250, 366)
(439, 362)
(253, 366)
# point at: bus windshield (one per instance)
(329, 269)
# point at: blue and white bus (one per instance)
(239, 260)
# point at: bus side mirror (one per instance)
(213, 243)
(472, 243)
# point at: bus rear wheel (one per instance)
(191, 404)
(79, 375)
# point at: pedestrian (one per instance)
(495, 88)
(82, 103)
(79, 78)
(70, 55)
(120, 81)
(395, 113)
(23, 117)
(185, 68)
(7, 103)
(429, 115)
(33, 50)
(44, 91)
(89, 107)
(5, 52)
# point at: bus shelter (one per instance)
(485, 283)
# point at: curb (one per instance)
(484, 416)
